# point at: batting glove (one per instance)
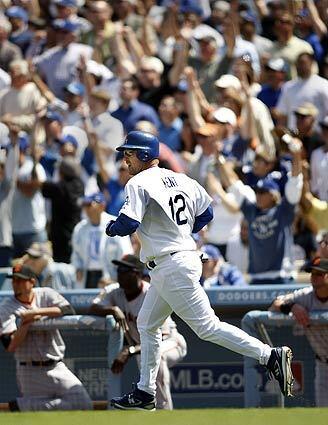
(108, 227)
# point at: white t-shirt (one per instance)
(319, 173)
(29, 214)
(166, 204)
(296, 92)
(225, 224)
(237, 254)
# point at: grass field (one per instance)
(177, 417)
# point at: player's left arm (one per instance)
(203, 219)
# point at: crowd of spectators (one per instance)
(236, 91)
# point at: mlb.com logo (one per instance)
(223, 378)
(207, 378)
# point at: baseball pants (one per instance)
(173, 350)
(175, 287)
(51, 388)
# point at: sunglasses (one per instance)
(285, 21)
(129, 153)
(260, 191)
(124, 269)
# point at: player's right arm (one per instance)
(114, 311)
(13, 341)
(102, 305)
(131, 213)
(11, 336)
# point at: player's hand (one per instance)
(120, 361)
(301, 315)
(120, 318)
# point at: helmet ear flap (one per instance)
(143, 155)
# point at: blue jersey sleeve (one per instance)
(122, 226)
(203, 219)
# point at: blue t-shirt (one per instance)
(314, 41)
(269, 96)
(171, 136)
(270, 235)
(137, 111)
(117, 196)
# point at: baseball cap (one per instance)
(53, 116)
(277, 64)
(191, 6)
(324, 122)
(75, 88)
(248, 16)
(131, 262)
(319, 264)
(97, 197)
(225, 115)
(307, 109)
(99, 70)
(152, 63)
(66, 25)
(208, 129)
(228, 80)
(38, 249)
(17, 12)
(24, 272)
(67, 138)
(303, 13)
(205, 32)
(266, 185)
(66, 3)
(100, 93)
(222, 5)
(211, 251)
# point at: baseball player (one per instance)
(300, 303)
(124, 304)
(44, 380)
(165, 208)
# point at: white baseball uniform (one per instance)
(43, 387)
(166, 205)
(173, 349)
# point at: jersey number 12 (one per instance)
(178, 205)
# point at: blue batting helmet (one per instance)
(146, 145)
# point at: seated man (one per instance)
(124, 304)
(43, 379)
(300, 303)
(218, 272)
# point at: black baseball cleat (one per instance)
(136, 400)
(280, 368)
